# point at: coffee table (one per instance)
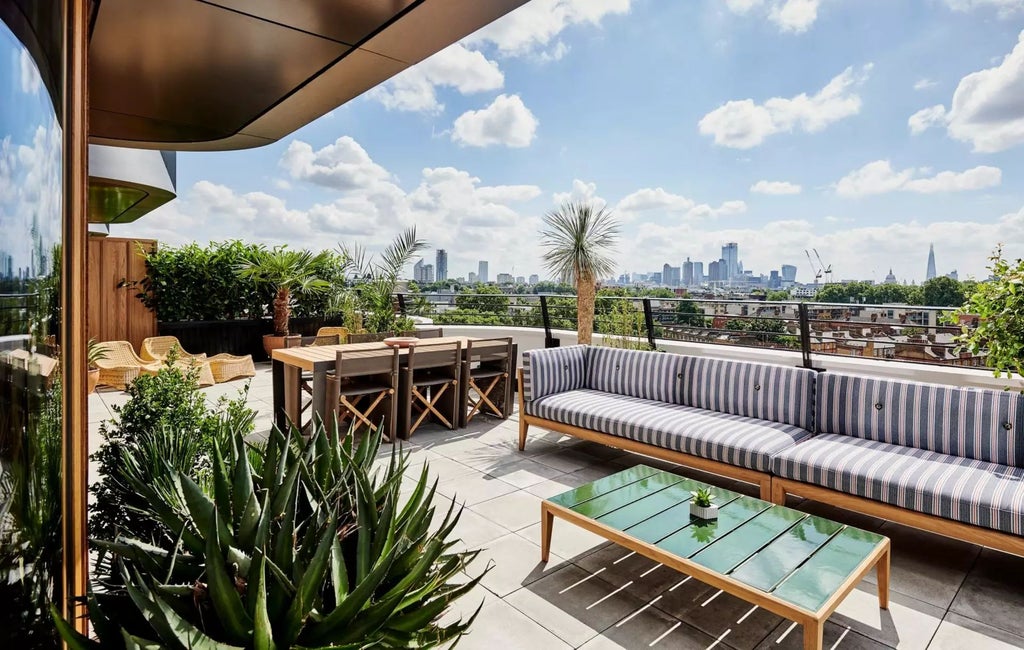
(796, 565)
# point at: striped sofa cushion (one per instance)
(984, 425)
(636, 373)
(766, 392)
(961, 489)
(554, 370)
(740, 441)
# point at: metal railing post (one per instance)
(649, 322)
(805, 335)
(549, 341)
(401, 304)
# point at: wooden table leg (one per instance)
(882, 568)
(547, 520)
(318, 409)
(277, 382)
(814, 635)
(292, 395)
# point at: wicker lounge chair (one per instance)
(156, 348)
(122, 366)
(223, 367)
(340, 332)
(226, 367)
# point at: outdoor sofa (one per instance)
(945, 459)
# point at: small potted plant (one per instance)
(701, 506)
(95, 352)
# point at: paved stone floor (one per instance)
(946, 594)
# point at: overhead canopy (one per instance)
(125, 184)
(232, 74)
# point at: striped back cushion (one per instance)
(985, 425)
(767, 392)
(554, 370)
(636, 373)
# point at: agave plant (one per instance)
(301, 544)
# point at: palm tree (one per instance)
(376, 279)
(284, 270)
(578, 241)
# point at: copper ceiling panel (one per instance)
(189, 71)
(213, 75)
(347, 21)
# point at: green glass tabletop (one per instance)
(800, 558)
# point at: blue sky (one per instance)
(864, 128)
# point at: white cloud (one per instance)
(879, 177)
(1005, 8)
(581, 191)
(343, 165)
(467, 71)
(530, 29)
(506, 121)
(660, 201)
(795, 16)
(775, 187)
(926, 118)
(31, 82)
(988, 106)
(925, 84)
(744, 124)
(790, 16)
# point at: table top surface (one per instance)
(798, 558)
(312, 357)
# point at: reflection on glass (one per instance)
(30, 397)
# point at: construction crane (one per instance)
(827, 270)
(816, 269)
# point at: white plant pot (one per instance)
(708, 512)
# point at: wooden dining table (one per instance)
(289, 364)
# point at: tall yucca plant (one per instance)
(285, 270)
(300, 545)
(578, 240)
(376, 278)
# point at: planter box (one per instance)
(239, 337)
(708, 512)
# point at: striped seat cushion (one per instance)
(554, 370)
(766, 392)
(961, 489)
(636, 373)
(984, 425)
(733, 439)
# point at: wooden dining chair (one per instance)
(369, 337)
(486, 370)
(364, 384)
(306, 378)
(429, 386)
(432, 333)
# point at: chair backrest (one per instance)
(486, 350)
(433, 333)
(119, 353)
(447, 354)
(357, 363)
(296, 341)
(158, 347)
(340, 332)
(369, 337)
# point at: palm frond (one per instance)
(578, 240)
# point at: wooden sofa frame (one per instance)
(774, 488)
(761, 479)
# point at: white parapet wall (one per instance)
(531, 339)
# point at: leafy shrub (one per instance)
(166, 424)
(297, 544)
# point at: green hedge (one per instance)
(200, 283)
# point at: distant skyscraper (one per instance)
(534, 279)
(428, 274)
(731, 256)
(417, 270)
(698, 272)
(505, 278)
(788, 273)
(670, 275)
(931, 263)
(472, 278)
(481, 274)
(953, 275)
(688, 273)
(441, 267)
(774, 280)
(713, 272)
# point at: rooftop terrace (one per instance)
(592, 594)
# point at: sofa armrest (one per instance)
(554, 370)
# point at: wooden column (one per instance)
(73, 322)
